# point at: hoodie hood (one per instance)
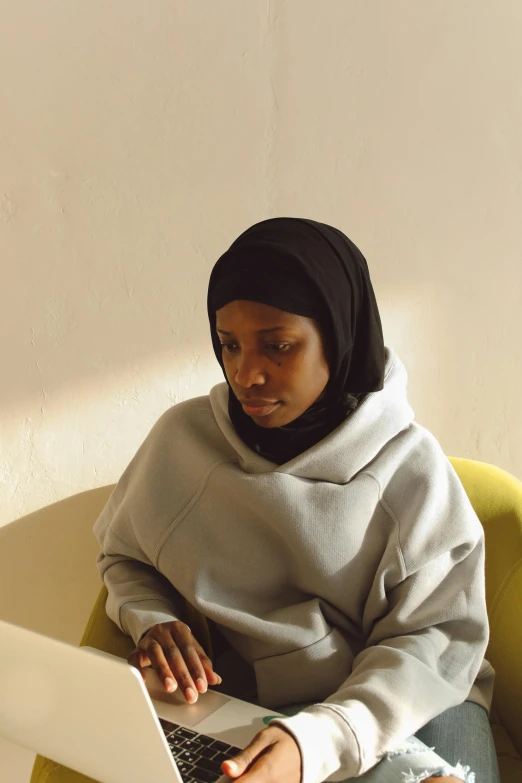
(378, 418)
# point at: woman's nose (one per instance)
(249, 372)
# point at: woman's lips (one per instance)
(259, 410)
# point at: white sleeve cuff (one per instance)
(329, 747)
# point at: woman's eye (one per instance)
(279, 347)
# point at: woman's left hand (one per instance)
(272, 756)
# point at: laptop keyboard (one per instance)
(198, 757)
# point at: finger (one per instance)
(159, 663)
(237, 765)
(213, 678)
(178, 666)
(198, 663)
(144, 659)
(184, 638)
(139, 660)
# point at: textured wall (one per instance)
(136, 142)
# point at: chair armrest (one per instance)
(102, 634)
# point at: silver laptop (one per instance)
(93, 712)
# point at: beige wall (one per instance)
(137, 140)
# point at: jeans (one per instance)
(457, 742)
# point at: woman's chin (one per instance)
(262, 422)
(272, 421)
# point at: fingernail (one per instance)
(170, 685)
(191, 695)
(201, 685)
(232, 766)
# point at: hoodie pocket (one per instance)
(309, 674)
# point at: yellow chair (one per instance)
(497, 499)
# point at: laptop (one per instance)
(92, 712)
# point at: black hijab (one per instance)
(311, 269)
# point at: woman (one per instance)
(319, 528)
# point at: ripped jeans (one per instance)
(457, 742)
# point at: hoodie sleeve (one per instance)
(138, 595)
(427, 628)
(160, 482)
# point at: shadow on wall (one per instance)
(85, 434)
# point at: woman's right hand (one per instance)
(177, 658)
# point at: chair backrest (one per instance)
(496, 497)
(44, 551)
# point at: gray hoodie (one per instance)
(351, 576)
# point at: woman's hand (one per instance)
(177, 658)
(271, 757)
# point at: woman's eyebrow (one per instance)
(259, 331)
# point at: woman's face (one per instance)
(275, 361)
